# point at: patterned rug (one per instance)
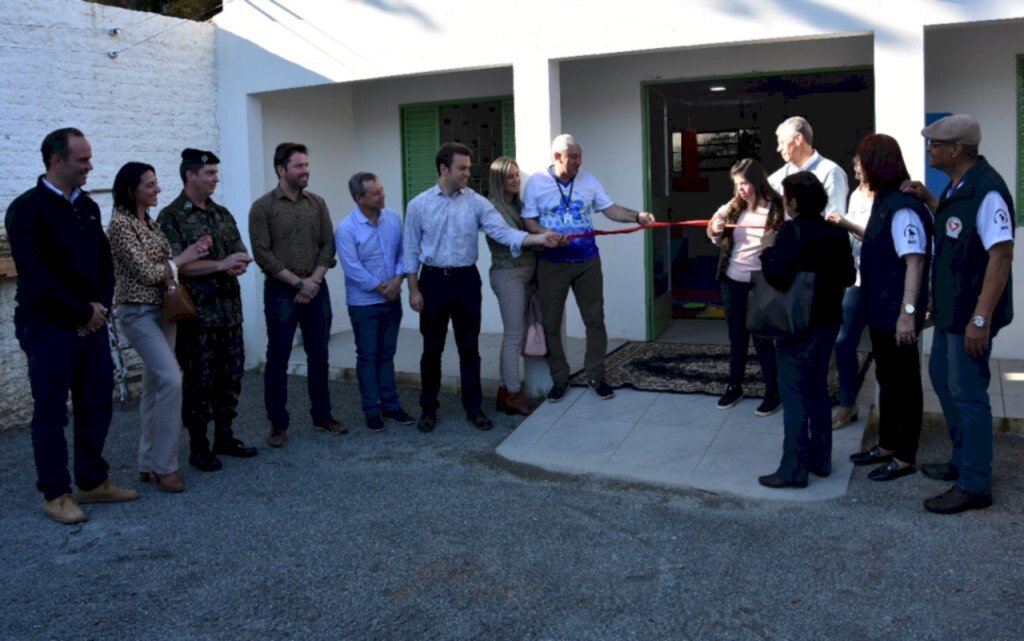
(686, 369)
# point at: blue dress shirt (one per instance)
(370, 254)
(441, 230)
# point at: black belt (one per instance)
(448, 271)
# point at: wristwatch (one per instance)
(979, 321)
(910, 309)
(298, 284)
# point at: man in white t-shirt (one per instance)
(796, 146)
(563, 199)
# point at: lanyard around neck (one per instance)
(566, 200)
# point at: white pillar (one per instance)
(535, 85)
(899, 92)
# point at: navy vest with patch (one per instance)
(960, 258)
(882, 271)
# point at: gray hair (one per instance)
(796, 125)
(357, 183)
(562, 142)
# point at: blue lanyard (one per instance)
(566, 200)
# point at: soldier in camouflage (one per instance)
(210, 347)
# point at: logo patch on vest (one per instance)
(954, 227)
(1002, 219)
(910, 234)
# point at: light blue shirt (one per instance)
(441, 230)
(370, 254)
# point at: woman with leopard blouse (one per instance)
(143, 265)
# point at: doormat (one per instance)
(687, 369)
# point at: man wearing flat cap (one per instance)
(974, 230)
(209, 347)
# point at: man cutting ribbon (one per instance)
(563, 199)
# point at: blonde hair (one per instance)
(496, 186)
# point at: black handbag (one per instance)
(776, 314)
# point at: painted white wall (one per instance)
(156, 97)
(284, 44)
(953, 83)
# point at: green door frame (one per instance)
(645, 130)
(1020, 139)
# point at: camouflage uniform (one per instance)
(210, 347)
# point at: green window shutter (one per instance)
(421, 136)
(508, 127)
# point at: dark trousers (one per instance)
(211, 360)
(734, 296)
(60, 361)
(806, 409)
(900, 399)
(454, 294)
(376, 332)
(283, 316)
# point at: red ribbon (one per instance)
(655, 225)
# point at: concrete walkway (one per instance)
(675, 440)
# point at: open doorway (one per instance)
(696, 130)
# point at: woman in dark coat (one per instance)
(896, 255)
(807, 243)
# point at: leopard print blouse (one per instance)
(141, 254)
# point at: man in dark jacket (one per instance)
(65, 287)
(974, 229)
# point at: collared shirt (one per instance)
(370, 254)
(831, 175)
(293, 235)
(217, 296)
(441, 230)
(74, 193)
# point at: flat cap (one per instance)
(959, 128)
(199, 157)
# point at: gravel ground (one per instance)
(408, 536)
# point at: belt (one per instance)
(448, 271)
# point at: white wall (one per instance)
(148, 103)
(954, 56)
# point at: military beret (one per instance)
(959, 128)
(199, 157)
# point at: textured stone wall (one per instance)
(140, 86)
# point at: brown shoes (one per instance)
(64, 509)
(173, 482)
(106, 492)
(331, 426)
(277, 439)
(512, 402)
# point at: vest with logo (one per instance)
(960, 258)
(882, 271)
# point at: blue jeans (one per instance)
(961, 383)
(283, 317)
(806, 409)
(854, 321)
(376, 331)
(59, 361)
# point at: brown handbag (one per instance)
(178, 304)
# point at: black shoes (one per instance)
(769, 406)
(602, 389)
(954, 500)
(890, 471)
(940, 471)
(556, 393)
(479, 420)
(776, 482)
(375, 423)
(399, 416)
(874, 455)
(233, 447)
(204, 461)
(427, 422)
(733, 395)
